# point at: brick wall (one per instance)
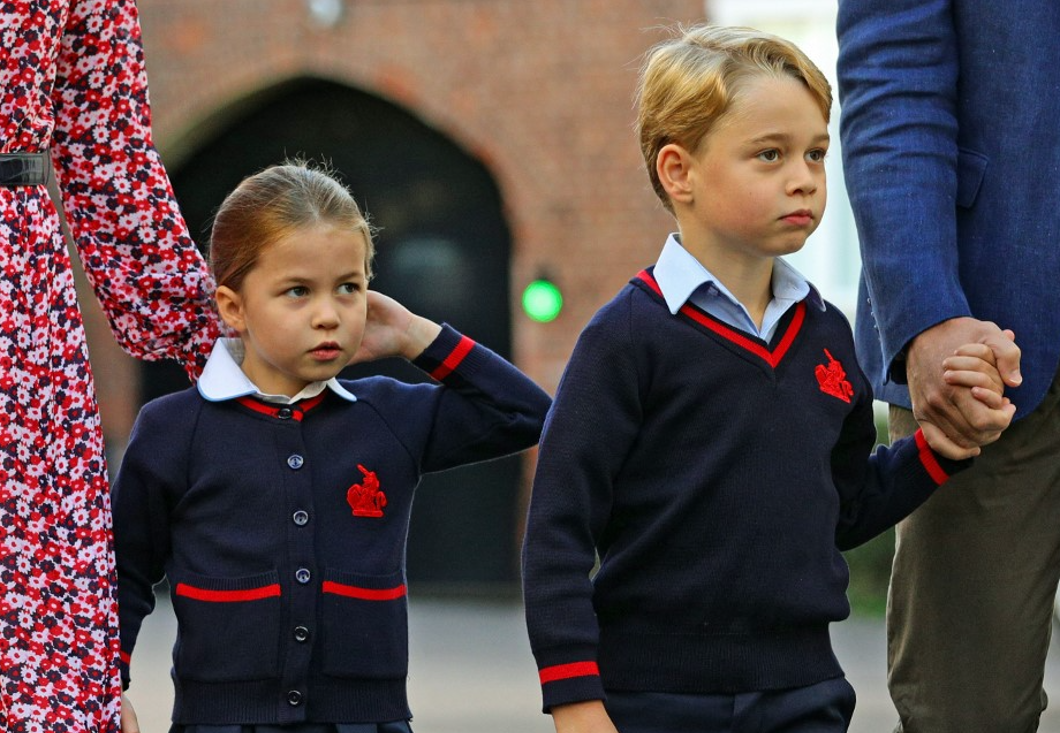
(539, 90)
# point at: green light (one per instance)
(542, 301)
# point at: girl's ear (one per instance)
(673, 166)
(230, 306)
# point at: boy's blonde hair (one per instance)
(271, 204)
(688, 83)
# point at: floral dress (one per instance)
(72, 81)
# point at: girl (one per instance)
(276, 497)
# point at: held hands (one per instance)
(391, 329)
(957, 373)
(582, 717)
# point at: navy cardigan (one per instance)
(717, 478)
(282, 532)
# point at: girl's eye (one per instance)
(769, 156)
(349, 288)
(298, 291)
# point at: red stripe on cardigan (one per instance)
(927, 458)
(365, 594)
(452, 361)
(567, 671)
(773, 358)
(227, 596)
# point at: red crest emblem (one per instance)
(365, 498)
(832, 378)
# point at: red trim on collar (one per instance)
(272, 409)
(457, 355)
(773, 358)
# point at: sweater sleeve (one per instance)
(594, 422)
(153, 469)
(486, 409)
(879, 489)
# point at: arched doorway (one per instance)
(443, 250)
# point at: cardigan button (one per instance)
(295, 461)
(294, 698)
(301, 634)
(302, 575)
(284, 413)
(301, 518)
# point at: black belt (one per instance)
(23, 169)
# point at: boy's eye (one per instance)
(817, 156)
(349, 288)
(769, 156)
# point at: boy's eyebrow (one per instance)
(785, 137)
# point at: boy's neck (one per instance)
(750, 280)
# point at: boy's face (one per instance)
(757, 182)
(302, 308)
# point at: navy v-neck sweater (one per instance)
(716, 478)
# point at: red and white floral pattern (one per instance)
(72, 80)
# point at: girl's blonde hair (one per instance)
(271, 204)
(688, 82)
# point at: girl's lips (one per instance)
(326, 352)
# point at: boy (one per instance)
(710, 440)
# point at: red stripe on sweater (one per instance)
(365, 594)
(567, 671)
(772, 358)
(452, 361)
(227, 596)
(927, 458)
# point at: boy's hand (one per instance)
(582, 717)
(973, 366)
(129, 723)
(391, 329)
(951, 416)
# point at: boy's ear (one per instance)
(230, 307)
(674, 167)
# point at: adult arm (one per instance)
(898, 70)
(149, 277)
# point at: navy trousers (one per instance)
(822, 708)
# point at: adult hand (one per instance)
(951, 416)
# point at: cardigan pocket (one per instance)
(228, 628)
(365, 625)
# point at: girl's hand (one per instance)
(391, 329)
(129, 723)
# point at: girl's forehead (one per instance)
(323, 246)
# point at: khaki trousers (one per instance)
(969, 610)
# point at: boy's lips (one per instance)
(802, 217)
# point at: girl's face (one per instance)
(301, 309)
